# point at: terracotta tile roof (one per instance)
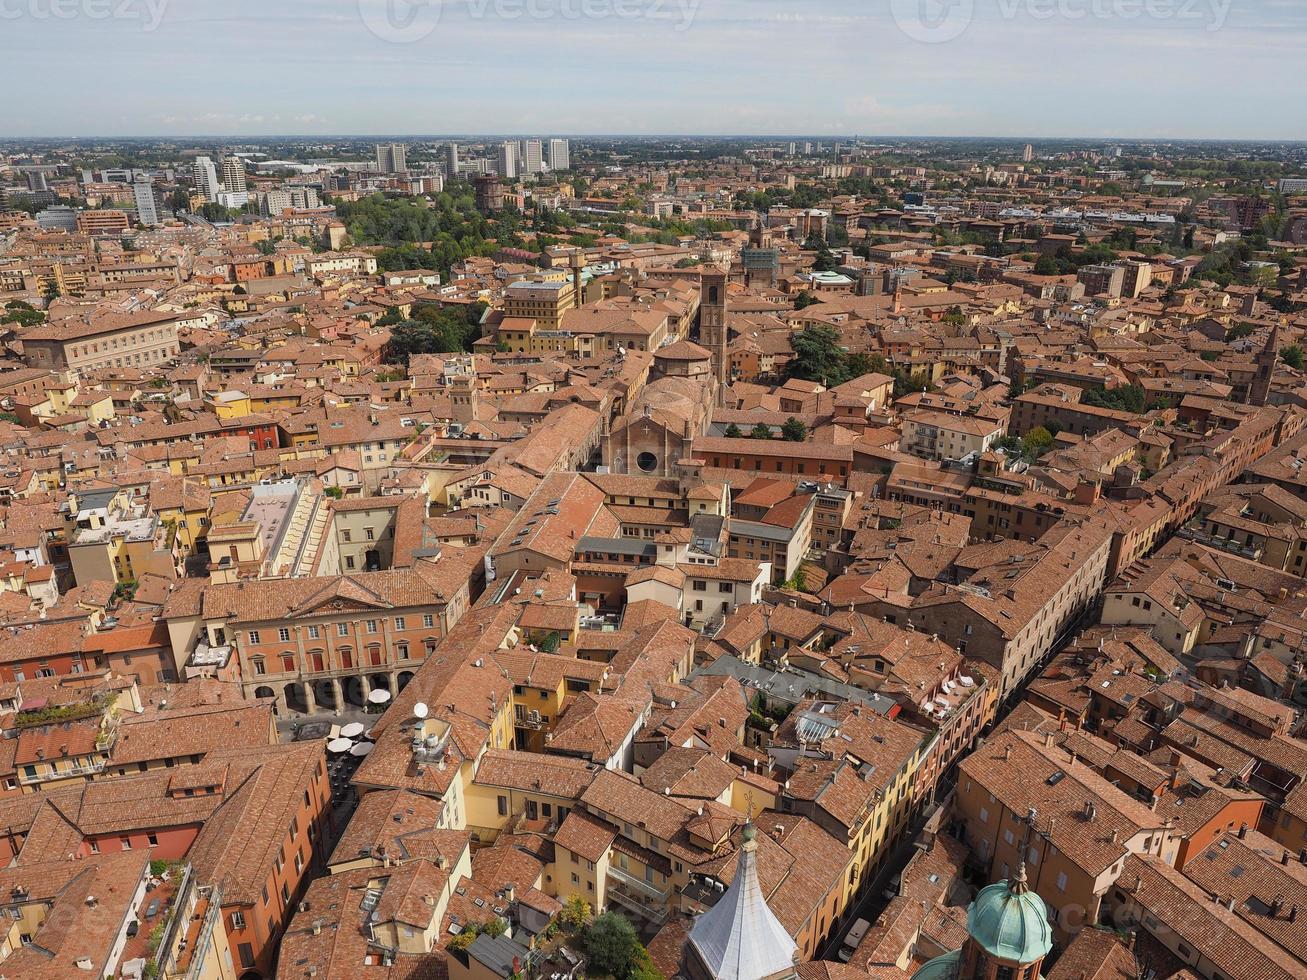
(1095, 954)
(91, 898)
(689, 773)
(1025, 778)
(239, 842)
(1225, 940)
(1252, 871)
(553, 775)
(399, 825)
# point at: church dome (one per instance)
(1010, 922)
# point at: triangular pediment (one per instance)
(342, 595)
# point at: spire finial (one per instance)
(1019, 884)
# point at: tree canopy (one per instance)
(427, 233)
(614, 950)
(793, 430)
(435, 330)
(819, 357)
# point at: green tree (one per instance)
(825, 261)
(460, 943)
(1292, 356)
(1046, 265)
(575, 914)
(434, 330)
(793, 430)
(214, 212)
(612, 946)
(760, 431)
(733, 432)
(804, 300)
(1036, 441)
(23, 314)
(1125, 398)
(818, 356)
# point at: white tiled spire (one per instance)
(739, 938)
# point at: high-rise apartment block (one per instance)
(233, 175)
(1102, 280)
(507, 165)
(205, 175)
(391, 158)
(451, 161)
(560, 157)
(149, 206)
(532, 156)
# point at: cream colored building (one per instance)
(98, 342)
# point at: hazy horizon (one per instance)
(997, 69)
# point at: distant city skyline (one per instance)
(1021, 69)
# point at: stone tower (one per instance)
(712, 322)
(1260, 390)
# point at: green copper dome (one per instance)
(1010, 922)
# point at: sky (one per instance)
(1165, 69)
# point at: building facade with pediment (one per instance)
(661, 426)
(327, 643)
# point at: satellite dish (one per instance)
(420, 710)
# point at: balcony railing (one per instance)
(634, 903)
(638, 895)
(1199, 536)
(87, 769)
